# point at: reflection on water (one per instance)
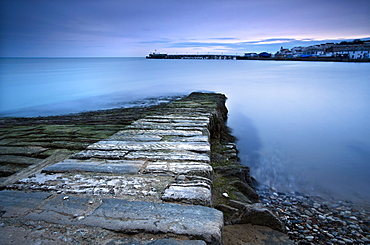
(300, 125)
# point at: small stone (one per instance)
(347, 240)
(310, 238)
(181, 177)
(322, 217)
(66, 198)
(286, 203)
(353, 226)
(308, 213)
(364, 239)
(80, 217)
(265, 201)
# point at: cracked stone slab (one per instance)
(193, 168)
(188, 194)
(131, 187)
(165, 127)
(86, 154)
(165, 241)
(188, 139)
(177, 116)
(19, 203)
(168, 156)
(102, 166)
(135, 137)
(135, 217)
(150, 146)
(19, 159)
(194, 190)
(24, 150)
(158, 132)
(171, 123)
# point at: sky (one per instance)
(135, 28)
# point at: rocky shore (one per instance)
(313, 220)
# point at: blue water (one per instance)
(301, 126)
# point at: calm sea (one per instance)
(302, 126)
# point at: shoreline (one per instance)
(237, 57)
(316, 220)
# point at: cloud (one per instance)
(40, 27)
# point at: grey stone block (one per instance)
(136, 217)
(193, 168)
(167, 241)
(150, 146)
(102, 166)
(168, 156)
(86, 154)
(19, 203)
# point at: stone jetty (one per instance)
(150, 182)
(169, 175)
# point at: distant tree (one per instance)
(357, 41)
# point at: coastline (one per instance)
(237, 57)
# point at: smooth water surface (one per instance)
(301, 126)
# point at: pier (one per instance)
(159, 179)
(242, 57)
(194, 56)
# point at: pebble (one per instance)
(313, 220)
(181, 177)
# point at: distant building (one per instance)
(284, 53)
(249, 55)
(348, 50)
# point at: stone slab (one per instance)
(188, 194)
(171, 132)
(165, 127)
(202, 138)
(19, 159)
(86, 154)
(18, 150)
(193, 168)
(166, 241)
(102, 166)
(135, 137)
(171, 123)
(150, 146)
(168, 156)
(130, 187)
(19, 203)
(135, 217)
(179, 117)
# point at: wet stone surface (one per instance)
(313, 220)
(152, 176)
